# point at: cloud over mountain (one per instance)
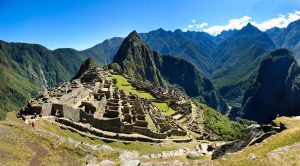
(281, 21)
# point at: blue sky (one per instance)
(81, 24)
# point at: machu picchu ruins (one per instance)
(92, 103)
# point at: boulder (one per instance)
(106, 162)
(131, 163)
(193, 155)
(253, 134)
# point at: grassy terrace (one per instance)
(142, 148)
(123, 83)
(18, 140)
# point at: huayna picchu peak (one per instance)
(136, 60)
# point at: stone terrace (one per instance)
(97, 105)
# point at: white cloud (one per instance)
(281, 21)
(232, 24)
(190, 26)
(194, 26)
(199, 26)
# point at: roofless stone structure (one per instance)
(91, 103)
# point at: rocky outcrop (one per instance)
(276, 90)
(253, 134)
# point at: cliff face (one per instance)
(140, 63)
(136, 59)
(276, 90)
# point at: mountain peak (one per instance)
(88, 67)
(267, 98)
(90, 63)
(136, 59)
(133, 34)
(250, 29)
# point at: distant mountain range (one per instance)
(230, 60)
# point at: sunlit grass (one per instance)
(164, 106)
(123, 83)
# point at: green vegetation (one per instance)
(123, 83)
(164, 106)
(116, 67)
(221, 124)
(15, 90)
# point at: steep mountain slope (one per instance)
(140, 63)
(276, 90)
(180, 72)
(288, 37)
(195, 47)
(236, 61)
(136, 59)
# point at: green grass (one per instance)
(123, 83)
(164, 106)
(19, 145)
(142, 148)
(53, 128)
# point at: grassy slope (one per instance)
(20, 144)
(285, 138)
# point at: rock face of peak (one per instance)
(276, 90)
(88, 71)
(138, 61)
